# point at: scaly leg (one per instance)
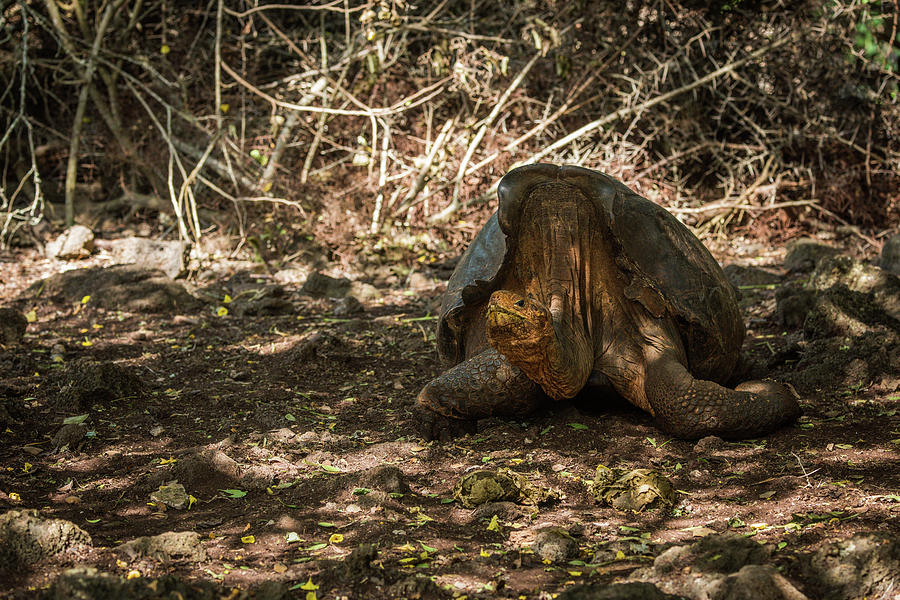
(692, 408)
(485, 385)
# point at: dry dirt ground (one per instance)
(291, 431)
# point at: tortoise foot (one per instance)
(432, 426)
(692, 408)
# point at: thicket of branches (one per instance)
(364, 118)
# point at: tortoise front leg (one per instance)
(692, 408)
(485, 385)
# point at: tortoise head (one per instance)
(516, 323)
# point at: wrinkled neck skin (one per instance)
(551, 351)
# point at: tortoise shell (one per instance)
(670, 271)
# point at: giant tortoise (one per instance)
(577, 281)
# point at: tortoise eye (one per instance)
(521, 303)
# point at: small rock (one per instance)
(291, 275)
(419, 282)
(358, 564)
(366, 292)
(709, 444)
(308, 437)
(508, 511)
(387, 478)
(805, 253)
(12, 326)
(415, 586)
(347, 306)
(792, 305)
(890, 255)
(75, 242)
(555, 544)
(282, 435)
(69, 436)
(172, 545)
(318, 285)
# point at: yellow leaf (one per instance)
(485, 553)
(121, 563)
(191, 501)
(226, 299)
(168, 461)
(279, 568)
(494, 525)
(620, 555)
(407, 547)
(310, 596)
(87, 343)
(222, 311)
(97, 326)
(164, 49)
(267, 187)
(15, 497)
(309, 585)
(248, 539)
(133, 574)
(575, 573)
(85, 299)
(224, 107)
(27, 468)
(31, 316)
(335, 538)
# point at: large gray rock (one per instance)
(75, 242)
(864, 566)
(27, 538)
(170, 257)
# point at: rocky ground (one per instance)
(251, 435)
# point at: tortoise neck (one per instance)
(561, 363)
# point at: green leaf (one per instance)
(577, 426)
(75, 420)
(330, 469)
(326, 524)
(318, 546)
(361, 491)
(234, 493)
